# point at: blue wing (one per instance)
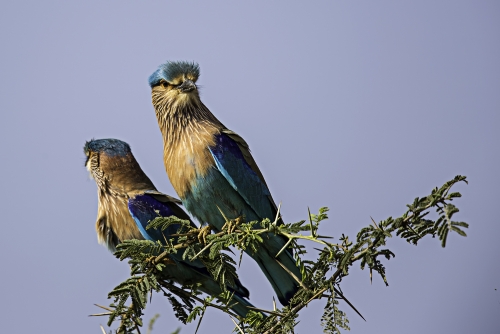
(234, 161)
(146, 207)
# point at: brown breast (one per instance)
(186, 155)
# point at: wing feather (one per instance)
(146, 207)
(235, 162)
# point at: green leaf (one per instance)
(459, 231)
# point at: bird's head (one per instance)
(114, 168)
(173, 85)
(103, 157)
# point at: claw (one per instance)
(203, 232)
(232, 224)
(154, 260)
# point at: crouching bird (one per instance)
(128, 200)
(212, 170)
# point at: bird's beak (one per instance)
(187, 86)
(87, 162)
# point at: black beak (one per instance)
(187, 86)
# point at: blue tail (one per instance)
(284, 284)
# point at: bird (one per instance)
(213, 172)
(128, 200)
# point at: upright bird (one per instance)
(128, 200)
(212, 169)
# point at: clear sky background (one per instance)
(356, 105)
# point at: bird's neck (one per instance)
(124, 177)
(188, 131)
(114, 223)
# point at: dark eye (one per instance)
(164, 84)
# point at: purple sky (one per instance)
(356, 105)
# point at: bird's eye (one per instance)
(164, 84)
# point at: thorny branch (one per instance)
(320, 278)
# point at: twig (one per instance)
(266, 311)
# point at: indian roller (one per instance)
(128, 200)
(212, 170)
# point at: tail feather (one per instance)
(185, 273)
(284, 284)
(240, 305)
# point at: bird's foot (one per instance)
(154, 260)
(232, 224)
(203, 232)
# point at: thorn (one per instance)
(199, 322)
(241, 258)
(284, 247)
(204, 249)
(222, 213)
(293, 276)
(99, 314)
(277, 215)
(311, 223)
(239, 328)
(104, 307)
(348, 302)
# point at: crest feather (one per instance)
(172, 70)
